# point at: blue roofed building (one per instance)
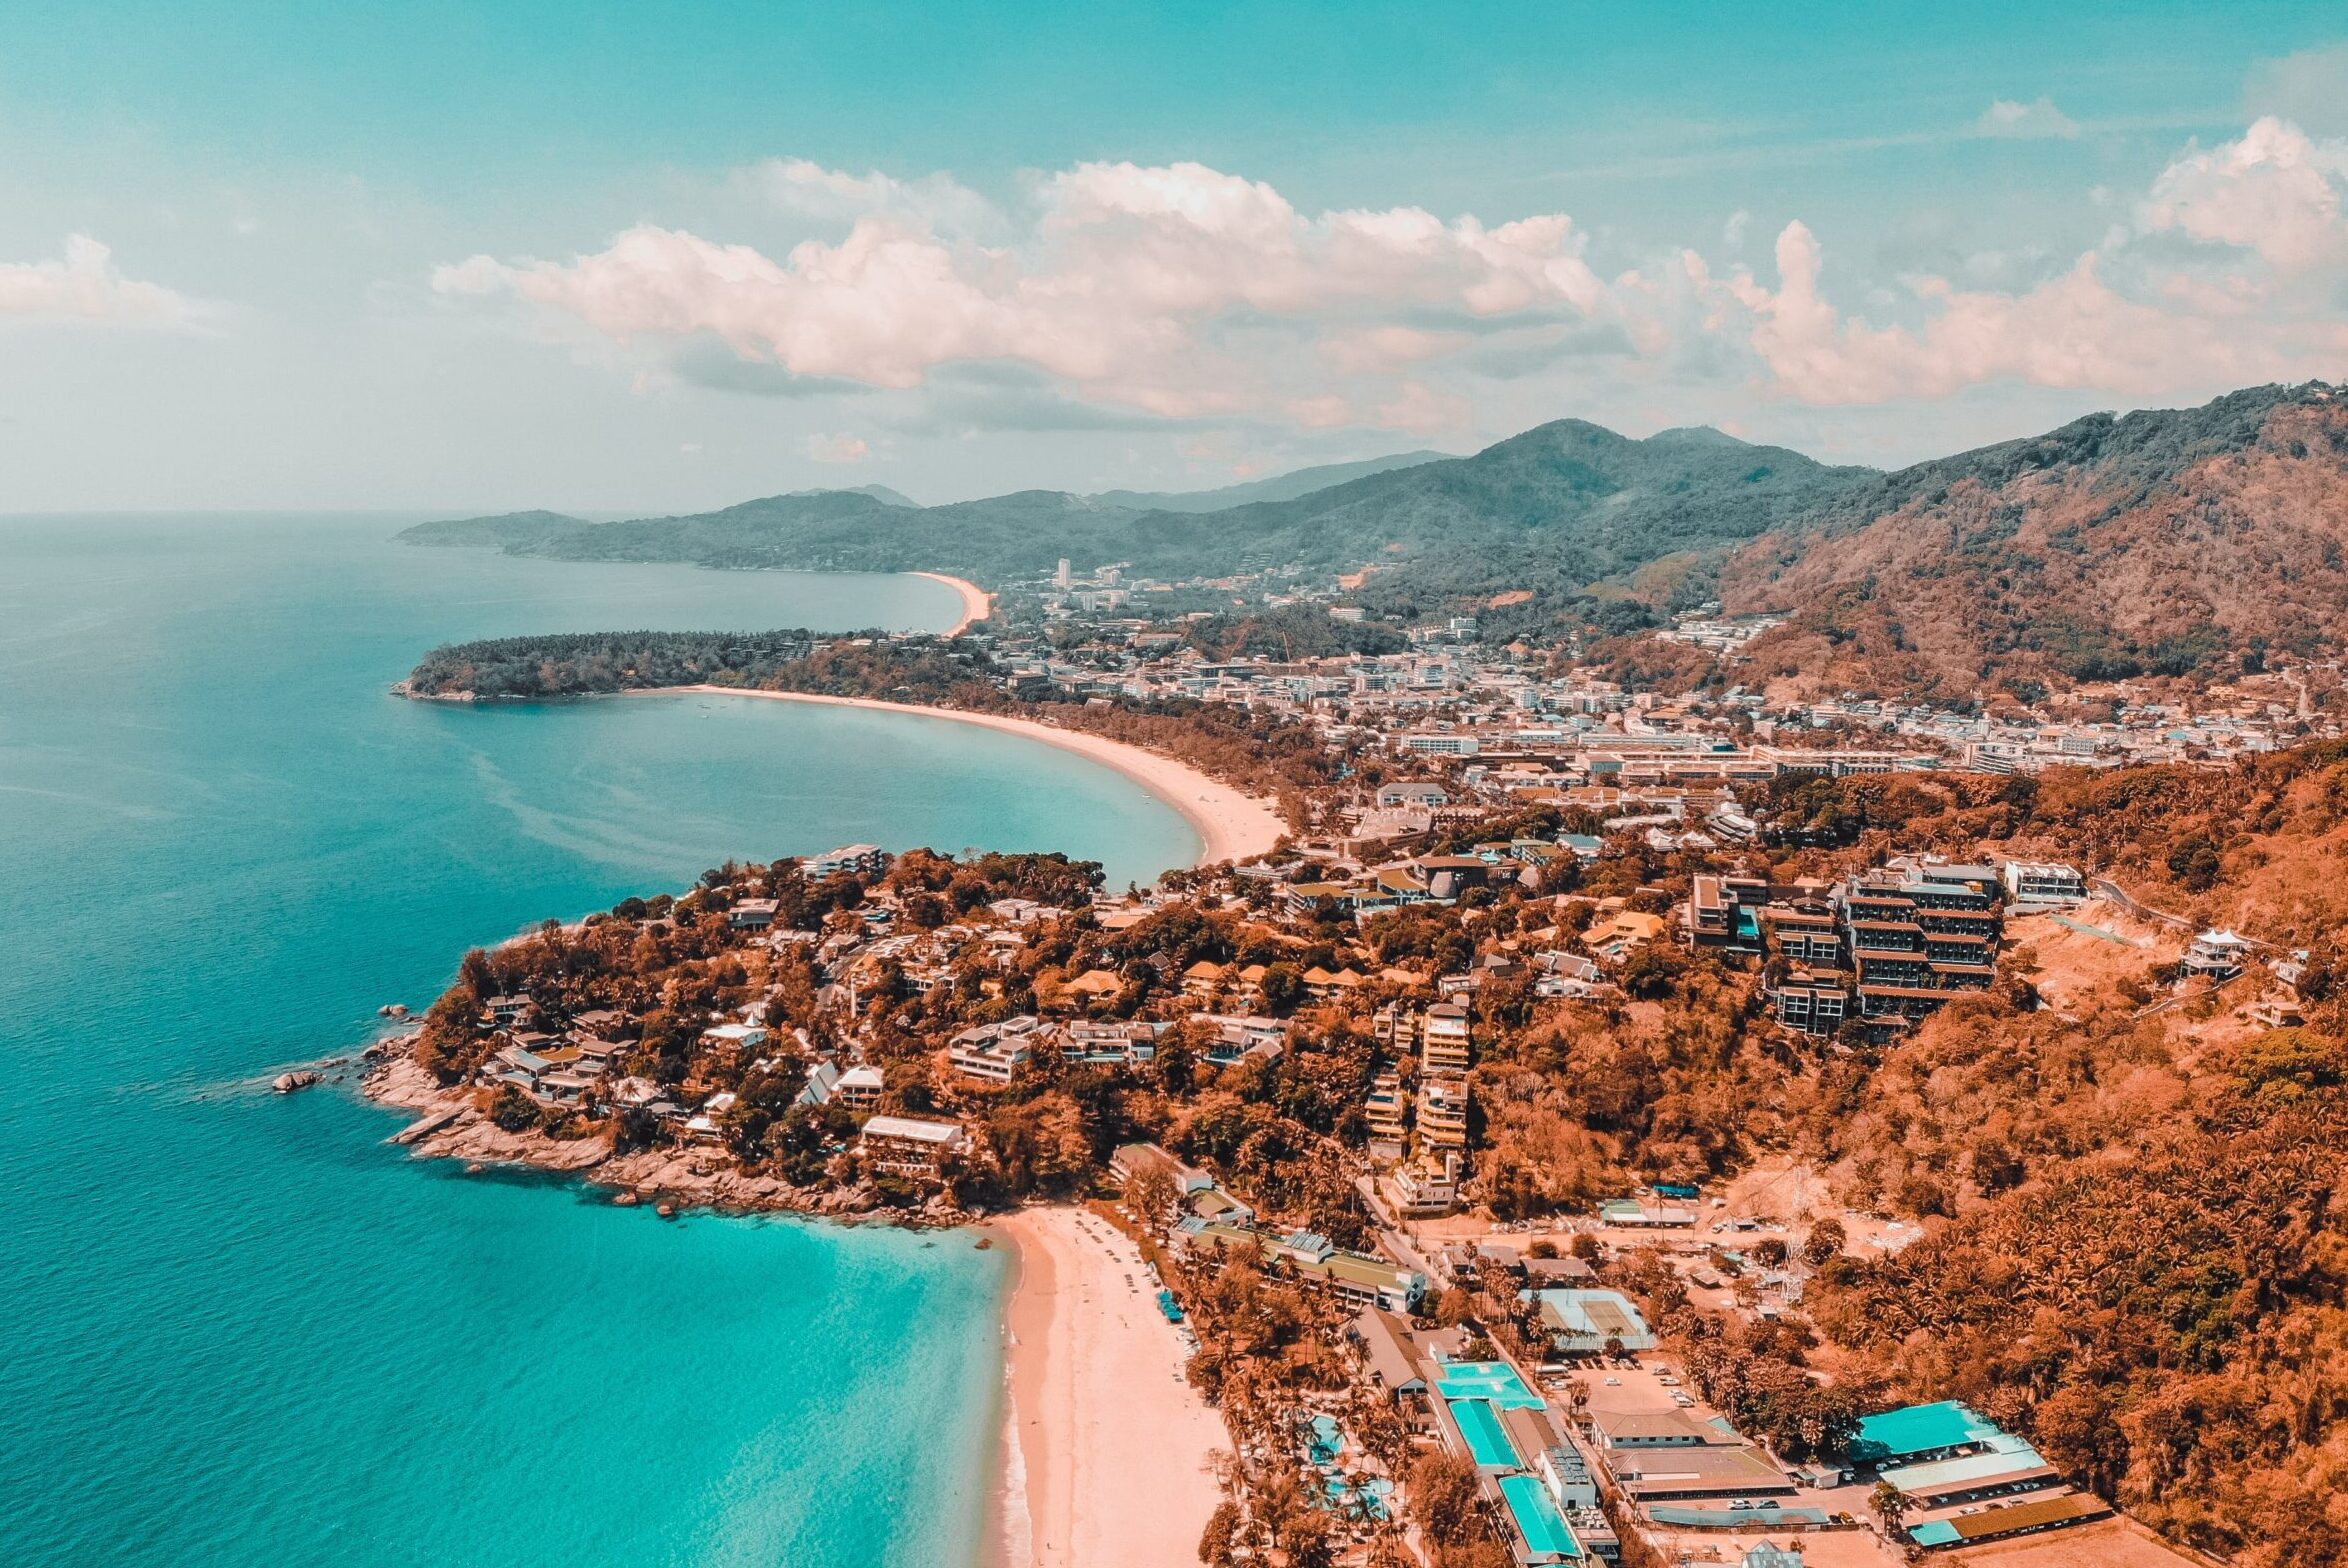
(1964, 1478)
(1918, 1434)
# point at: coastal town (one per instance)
(1687, 690)
(1384, 1110)
(1174, 786)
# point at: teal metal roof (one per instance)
(1919, 1429)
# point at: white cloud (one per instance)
(2011, 120)
(1122, 294)
(2127, 317)
(2073, 331)
(84, 285)
(798, 185)
(1179, 290)
(1421, 410)
(824, 448)
(2275, 191)
(2310, 89)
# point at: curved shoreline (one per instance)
(1097, 1412)
(1231, 824)
(977, 603)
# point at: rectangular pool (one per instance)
(1479, 1423)
(1537, 1519)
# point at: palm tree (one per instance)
(1891, 1506)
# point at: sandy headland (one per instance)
(1109, 1454)
(977, 603)
(1231, 824)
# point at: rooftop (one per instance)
(1921, 1429)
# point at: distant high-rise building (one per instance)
(1062, 577)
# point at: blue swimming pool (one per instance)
(1537, 1519)
(1479, 1423)
(1495, 1381)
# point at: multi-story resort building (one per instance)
(1443, 1117)
(1885, 946)
(1444, 1044)
(1430, 1159)
(859, 859)
(2044, 882)
(1383, 1109)
(1918, 933)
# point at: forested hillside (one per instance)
(1556, 510)
(2181, 542)
(1263, 753)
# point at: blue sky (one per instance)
(661, 256)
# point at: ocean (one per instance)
(239, 1329)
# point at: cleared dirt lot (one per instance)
(2086, 949)
(2111, 1543)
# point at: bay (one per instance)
(241, 1330)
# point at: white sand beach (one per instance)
(1231, 824)
(1108, 1451)
(977, 603)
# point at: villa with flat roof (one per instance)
(908, 1146)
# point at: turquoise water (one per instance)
(240, 1330)
(1487, 1440)
(1537, 1517)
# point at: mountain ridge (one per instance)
(2161, 542)
(2168, 541)
(1276, 487)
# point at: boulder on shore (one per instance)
(287, 1083)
